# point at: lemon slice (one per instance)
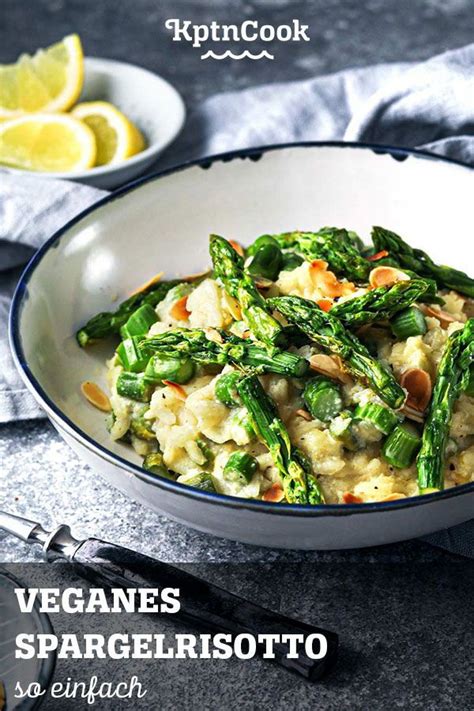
(50, 80)
(116, 136)
(47, 142)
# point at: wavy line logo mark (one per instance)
(247, 32)
(243, 55)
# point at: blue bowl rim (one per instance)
(254, 153)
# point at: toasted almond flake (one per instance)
(325, 304)
(378, 255)
(96, 396)
(417, 383)
(246, 334)
(443, 317)
(413, 414)
(212, 334)
(275, 494)
(233, 306)
(262, 283)
(386, 276)
(304, 414)
(179, 311)
(147, 284)
(394, 497)
(330, 366)
(349, 498)
(327, 282)
(238, 247)
(318, 265)
(176, 389)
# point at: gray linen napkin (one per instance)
(428, 105)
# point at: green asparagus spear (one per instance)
(299, 483)
(229, 269)
(379, 304)
(335, 246)
(195, 344)
(108, 323)
(452, 377)
(329, 332)
(419, 262)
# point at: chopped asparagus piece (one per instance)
(195, 344)
(381, 417)
(421, 263)
(134, 386)
(226, 389)
(335, 246)
(139, 322)
(322, 398)
(299, 483)
(453, 376)
(109, 323)
(164, 366)
(240, 468)
(267, 261)
(229, 269)
(401, 446)
(328, 332)
(407, 323)
(379, 304)
(153, 463)
(132, 356)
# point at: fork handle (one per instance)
(203, 604)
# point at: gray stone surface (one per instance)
(42, 478)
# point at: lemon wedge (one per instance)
(47, 142)
(51, 80)
(116, 136)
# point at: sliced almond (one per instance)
(96, 396)
(179, 311)
(378, 255)
(147, 284)
(413, 414)
(329, 365)
(176, 389)
(275, 494)
(386, 276)
(212, 334)
(327, 282)
(304, 414)
(349, 498)
(233, 306)
(443, 317)
(325, 304)
(263, 284)
(238, 247)
(417, 383)
(318, 265)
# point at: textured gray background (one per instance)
(43, 479)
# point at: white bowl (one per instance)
(163, 223)
(148, 100)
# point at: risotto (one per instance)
(308, 369)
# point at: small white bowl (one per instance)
(148, 100)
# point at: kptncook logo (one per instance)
(245, 33)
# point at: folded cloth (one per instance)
(428, 105)
(31, 210)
